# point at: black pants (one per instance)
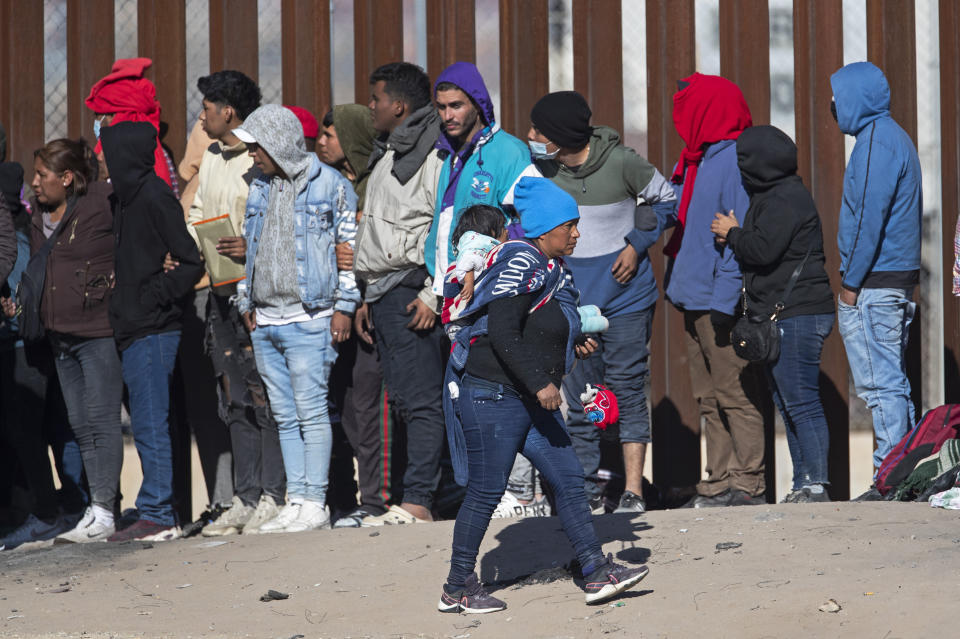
(413, 365)
(254, 440)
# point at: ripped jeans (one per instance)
(254, 440)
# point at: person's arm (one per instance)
(195, 214)
(8, 240)
(345, 232)
(774, 228)
(871, 210)
(167, 287)
(727, 280)
(505, 316)
(647, 183)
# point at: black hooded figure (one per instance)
(145, 311)
(781, 230)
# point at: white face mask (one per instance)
(539, 150)
(96, 128)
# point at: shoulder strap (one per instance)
(793, 281)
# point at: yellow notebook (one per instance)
(222, 269)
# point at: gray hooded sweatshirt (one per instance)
(280, 133)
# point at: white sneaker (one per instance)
(288, 515)
(313, 515)
(266, 510)
(35, 529)
(509, 506)
(231, 521)
(88, 529)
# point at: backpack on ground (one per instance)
(937, 426)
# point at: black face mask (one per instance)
(833, 111)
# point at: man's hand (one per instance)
(344, 257)
(588, 348)
(363, 324)
(8, 306)
(250, 321)
(626, 265)
(549, 397)
(423, 316)
(848, 297)
(235, 247)
(340, 325)
(722, 224)
(169, 263)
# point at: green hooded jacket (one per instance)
(354, 126)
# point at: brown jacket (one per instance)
(79, 276)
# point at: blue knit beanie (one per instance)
(543, 206)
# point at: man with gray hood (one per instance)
(294, 302)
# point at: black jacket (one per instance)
(148, 223)
(778, 228)
(11, 180)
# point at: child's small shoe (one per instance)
(591, 320)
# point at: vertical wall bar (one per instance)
(306, 55)
(950, 187)
(161, 36)
(451, 34)
(90, 58)
(818, 52)
(745, 52)
(21, 111)
(745, 60)
(675, 418)
(233, 36)
(378, 39)
(892, 46)
(598, 58)
(524, 62)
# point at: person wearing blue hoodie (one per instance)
(879, 241)
(483, 163)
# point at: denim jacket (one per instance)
(325, 215)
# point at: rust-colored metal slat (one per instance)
(598, 58)
(306, 55)
(88, 58)
(234, 40)
(950, 187)
(378, 39)
(451, 34)
(524, 62)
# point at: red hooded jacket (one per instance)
(131, 98)
(709, 109)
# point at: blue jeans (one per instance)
(147, 369)
(92, 382)
(795, 382)
(875, 333)
(622, 364)
(497, 424)
(294, 361)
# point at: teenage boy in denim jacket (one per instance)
(294, 302)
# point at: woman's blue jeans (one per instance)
(795, 382)
(497, 424)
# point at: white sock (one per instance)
(103, 515)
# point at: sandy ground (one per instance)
(892, 568)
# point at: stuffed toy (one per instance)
(600, 406)
(591, 321)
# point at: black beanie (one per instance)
(564, 118)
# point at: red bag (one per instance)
(936, 427)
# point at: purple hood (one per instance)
(466, 76)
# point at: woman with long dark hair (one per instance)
(73, 213)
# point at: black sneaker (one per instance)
(472, 599)
(631, 502)
(610, 579)
(872, 494)
(807, 496)
(743, 498)
(715, 501)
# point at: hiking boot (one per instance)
(35, 529)
(743, 498)
(354, 519)
(287, 515)
(811, 494)
(610, 579)
(146, 530)
(231, 521)
(313, 515)
(471, 599)
(703, 501)
(87, 530)
(630, 502)
(265, 511)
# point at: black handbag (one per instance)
(756, 338)
(30, 289)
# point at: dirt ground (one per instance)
(892, 568)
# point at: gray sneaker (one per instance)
(266, 510)
(34, 529)
(810, 494)
(231, 521)
(630, 502)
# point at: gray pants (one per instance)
(524, 480)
